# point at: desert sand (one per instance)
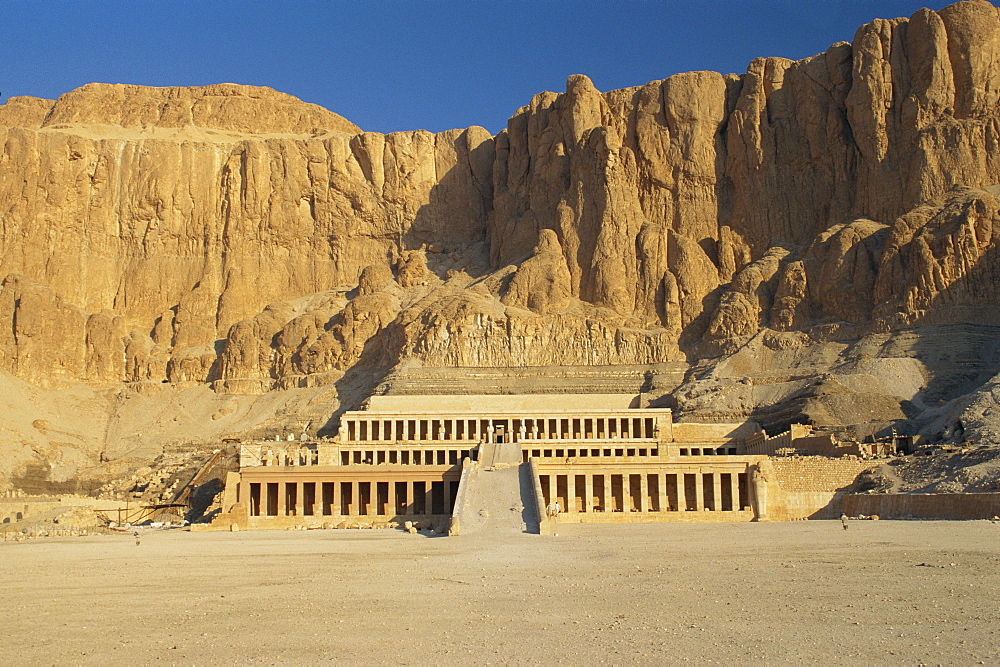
(880, 592)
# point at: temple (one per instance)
(594, 457)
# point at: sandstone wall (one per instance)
(817, 473)
(924, 505)
(811, 487)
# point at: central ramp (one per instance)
(497, 499)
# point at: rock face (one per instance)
(236, 237)
(541, 283)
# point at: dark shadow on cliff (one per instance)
(452, 228)
(453, 224)
(957, 342)
(380, 355)
(958, 338)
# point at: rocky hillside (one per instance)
(811, 236)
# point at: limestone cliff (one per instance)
(238, 238)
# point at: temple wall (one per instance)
(318, 496)
(817, 473)
(924, 505)
(696, 432)
(811, 487)
(619, 490)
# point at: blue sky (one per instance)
(394, 65)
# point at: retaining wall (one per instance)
(924, 505)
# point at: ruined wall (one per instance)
(924, 505)
(817, 473)
(811, 487)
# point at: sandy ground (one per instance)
(881, 592)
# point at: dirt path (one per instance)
(885, 592)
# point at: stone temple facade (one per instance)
(593, 457)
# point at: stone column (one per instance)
(335, 501)
(319, 505)
(759, 479)
(643, 493)
(588, 491)
(682, 503)
(734, 493)
(242, 495)
(300, 501)
(699, 491)
(717, 491)
(570, 493)
(626, 493)
(410, 504)
(607, 495)
(428, 497)
(661, 492)
(282, 498)
(345, 507)
(390, 499)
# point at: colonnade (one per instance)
(587, 452)
(349, 497)
(362, 427)
(409, 456)
(532, 451)
(630, 491)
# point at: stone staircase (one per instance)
(497, 500)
